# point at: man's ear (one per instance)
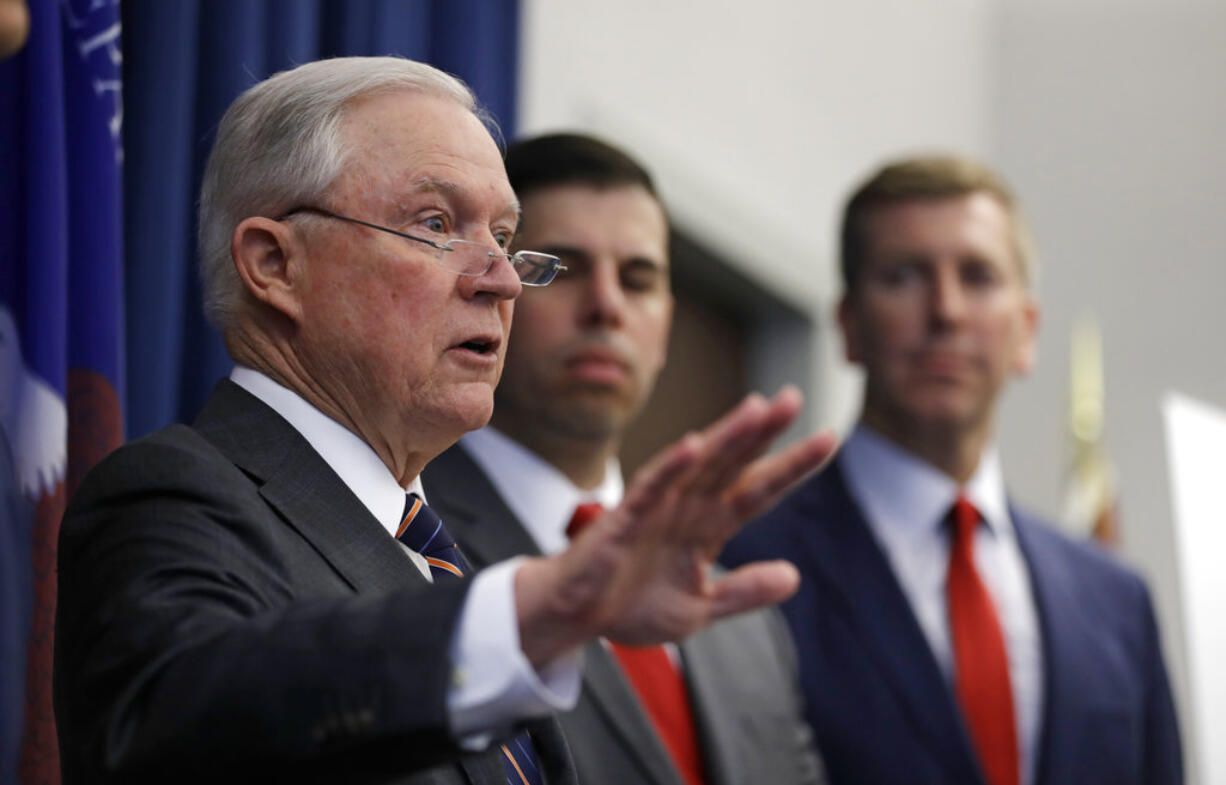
(853, 348)
(1028, 344)
(265, 256)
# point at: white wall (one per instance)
(1110, 119)
(757, 117)
(1107, 116)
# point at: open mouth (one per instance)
(480, 345)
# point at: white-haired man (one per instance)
(249, 598)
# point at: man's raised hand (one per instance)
(640, 574)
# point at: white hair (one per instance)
(280, 145)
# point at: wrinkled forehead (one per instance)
(411, 140)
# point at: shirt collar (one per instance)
(540, 496)
(903, 495)
(353, 460)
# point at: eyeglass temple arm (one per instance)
(360, 222)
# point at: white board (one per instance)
(1196, 453)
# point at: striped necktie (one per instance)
(422, 530)
(657, 682)
(981, 664)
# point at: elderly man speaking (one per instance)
(266, 595)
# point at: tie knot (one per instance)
(420, 527)
(585, 515)
(965, 516)
(422, 530)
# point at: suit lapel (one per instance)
(857, 579)
(474, 513)
(299, 484)
(1054, 599)
(1072, 691)
(716, 738)
(554, 754)
(614, 698)
(489, 532)
(484, 767)
(327, 514)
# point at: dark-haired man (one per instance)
(722, 708)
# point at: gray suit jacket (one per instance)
(741, 673)
(230, 612)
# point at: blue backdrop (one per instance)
(101, 328)
(61, 342)
(184, 61)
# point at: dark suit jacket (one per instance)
(230, 612)
(16, 591)
(882, 711)
(741, 673)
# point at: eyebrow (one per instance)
(559, 249)
(427, 183)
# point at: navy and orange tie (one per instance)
(422, 530)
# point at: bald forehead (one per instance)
(408, 143)
(411, 118)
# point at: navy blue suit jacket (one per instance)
(882, 712)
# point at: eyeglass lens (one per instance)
(469, 258)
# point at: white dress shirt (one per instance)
(542, 498)
(906, 501)
(493, 685)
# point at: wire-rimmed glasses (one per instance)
(465, 257)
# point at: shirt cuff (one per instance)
(493, 686)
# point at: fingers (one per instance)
(679, 510)
(652, 482)
(725, 441)
(677, 488)
(741, 436)
(733, 471)
(768, 479)
(755, 585)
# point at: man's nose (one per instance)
(500, 280)
(948, 297)
(604, 300)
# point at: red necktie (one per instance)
(659, 686)
(981, 665)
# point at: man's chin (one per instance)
(950, 417)
(471, 407)
(589, 419)
(937, 414)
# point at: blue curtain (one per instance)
(184, 61)
(61, 349)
